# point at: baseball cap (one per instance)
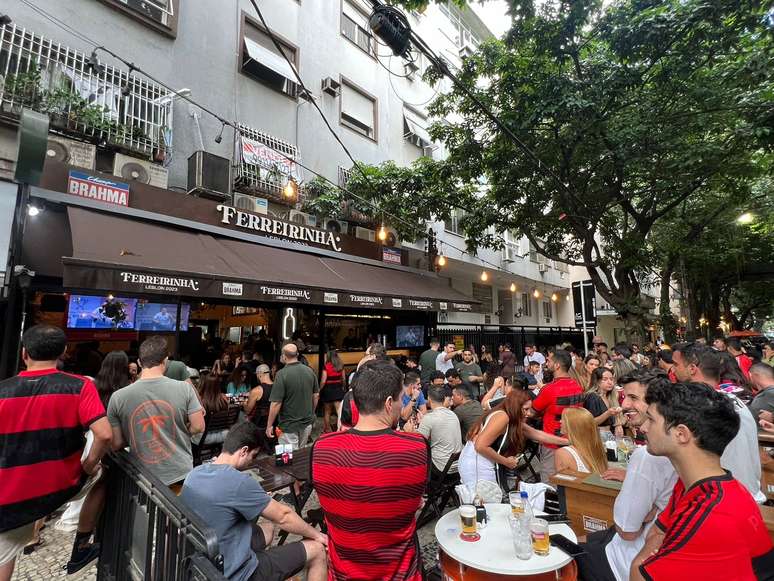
(263, 368)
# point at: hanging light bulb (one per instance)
(567, 298)
(291, 189)
(536, 293)
(513, 287)
(382, 233)
(554, 297)
(484, 276)
(441, 260)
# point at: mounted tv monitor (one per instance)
(410, 336)
(160, 316)
(105, 312)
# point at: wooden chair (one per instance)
(440, 491)
(213, 423)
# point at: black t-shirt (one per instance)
(594, 403)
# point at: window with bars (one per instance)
(358, 110)
(548, 310)
(354, 26)
(268, 171)
(344, 176)
(133, 113)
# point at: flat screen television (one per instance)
(105, 312)
(160, 316)
(410, 336)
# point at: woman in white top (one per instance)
(499, 437)
(585, 452)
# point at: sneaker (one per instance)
(82, 557)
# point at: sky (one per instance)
(493, 13)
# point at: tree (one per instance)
(632, 111)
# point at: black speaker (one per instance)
(209, 175)
(53, 303)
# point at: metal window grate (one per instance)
(256, 179)
(144, 113)
(344, 176)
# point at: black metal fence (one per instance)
(148, 533)
(518, 337)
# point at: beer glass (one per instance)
(468, 518)
(538, 528)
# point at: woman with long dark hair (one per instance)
(602, 401)
(213, 400)
(112, 375)
(239, 382)
(732, 380)
(498, 439)
(331, 387)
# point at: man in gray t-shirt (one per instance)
(156, 417)
(230, 501)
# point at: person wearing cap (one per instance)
(257, 405)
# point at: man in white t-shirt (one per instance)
(445, 360)
(647, 487)
(533, 354)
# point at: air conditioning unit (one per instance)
(508, 254)
(338, 226)
(428, 150)
(140, 170)
(71, 152)
(302, 218)
(392, 240)
(467, 50)
(209, 176)
(331, 86)
(250, 203)
(542, 267)
(365, 234)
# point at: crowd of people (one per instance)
(476, 414)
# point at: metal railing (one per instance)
(50, 77)
(517, 336)
(269, 176)
(147, 533)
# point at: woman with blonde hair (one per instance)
(585, 452)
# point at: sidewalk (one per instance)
(47, 560)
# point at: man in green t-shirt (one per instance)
(293, 398)
(470, 371)
(427, 360)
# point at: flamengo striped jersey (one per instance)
(553, 399)
(43, 417)
(370, 485)
(713, 530)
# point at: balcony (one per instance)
(105, 106)
(265, 166)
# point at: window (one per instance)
(453, 224)
(415, 130)
(358, 110)
(548, 310)
(464, 36)
(354, 26)
(526, 305)
(533, 255)
(158, 14)
(262, 61)
(483, 294)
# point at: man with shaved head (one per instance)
(293, 399)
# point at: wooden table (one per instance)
(589, 507)
(768, 517)
(298, 471)
(767, 474)
(766, 439)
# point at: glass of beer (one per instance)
(468, 518)
(538, 528)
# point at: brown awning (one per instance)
(122, 255)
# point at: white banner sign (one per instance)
(255, 153)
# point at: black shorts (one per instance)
(593, 564)
(276, 563)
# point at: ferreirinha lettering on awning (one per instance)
(83, 275)
(273, 227)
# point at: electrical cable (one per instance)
(235, 126)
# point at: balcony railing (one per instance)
(265, 165)
(109, 104)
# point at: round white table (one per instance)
(494, 552)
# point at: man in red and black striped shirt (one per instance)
(370, 482)
(43, 416)
(712, 528)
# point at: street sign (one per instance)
(587, 305)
